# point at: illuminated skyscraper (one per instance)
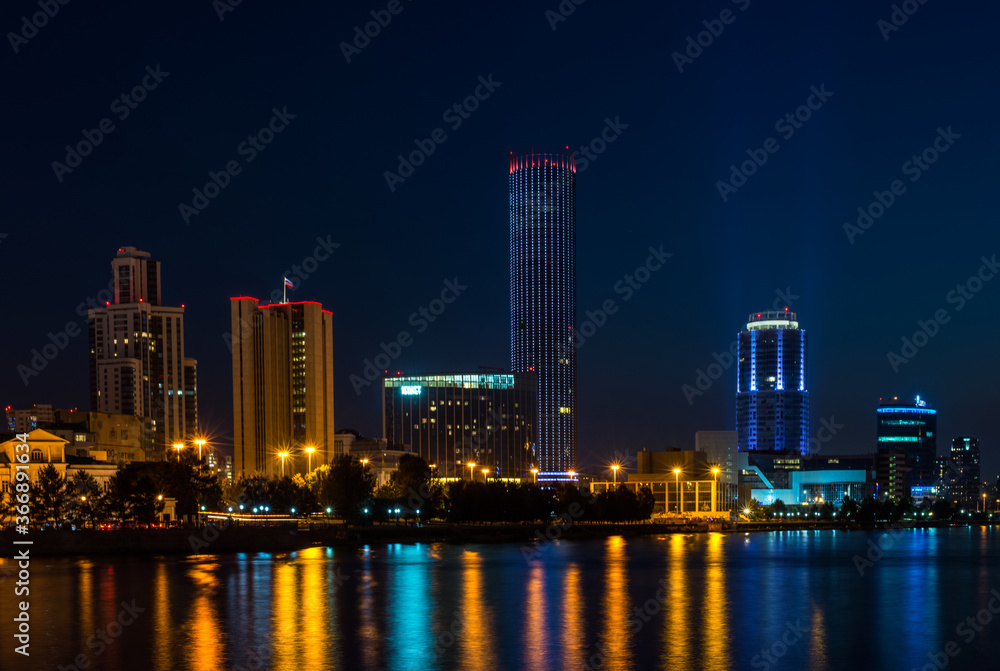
(910, 427)
(543, 297)
(137, 362)
(282, 386)
(772, 401)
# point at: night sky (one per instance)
(608, 67)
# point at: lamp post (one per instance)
(614, 469)
(283, 455)
(472, 475)
(486, 473)
(309, 457)
(677, 476)
(200, 442)
(715, 499)
(178, 447)
(534, 475)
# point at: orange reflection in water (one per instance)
(676, 625)
(616, 641)
(534, 646)
(818, 659)
(85, 589)
(715, 616)
(163, 642)
(573, 606)
(476, 644)
(205, 645)
(316, 567)
(284, 615)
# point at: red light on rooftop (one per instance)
(758, 315)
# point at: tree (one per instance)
(348, 487)
(83, 496)
(647, 502)
(115, 500)
(7, 505)
(410, 476)
(145, 504)
(49, 497)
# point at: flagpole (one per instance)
(284, 291)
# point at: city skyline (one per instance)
(652, 151)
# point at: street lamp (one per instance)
(486, 473)
(715, 472)
(614, 469)
(677, 475)
(283, 455)
(472, 465)
(309, 457)
(200, 442)
(534, 475)
(178, 447)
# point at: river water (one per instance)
(780, 600)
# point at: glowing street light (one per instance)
(309, 456)
(534, 475)
(200, 442)
(715, 472)
(472, 465)
(486, 473)
(614, 469)
(677, 476)
(283, 455)
(178, 447)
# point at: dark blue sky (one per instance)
(655, 184)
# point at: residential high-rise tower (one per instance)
(137, 362)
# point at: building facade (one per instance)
(910, 427)
(720, 449)
(967, 485)
(452, 420)
(772, 399)
(137, 362)
(282, 386)
(543, 298)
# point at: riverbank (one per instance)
(211, 540)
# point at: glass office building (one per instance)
(772, 400)
(543, 298)
(910, 427)
(452, 420)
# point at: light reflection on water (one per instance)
(708, 601)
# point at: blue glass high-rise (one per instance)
(543, 297)
(772, 400)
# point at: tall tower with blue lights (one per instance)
(772, 400)
(543, 298)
